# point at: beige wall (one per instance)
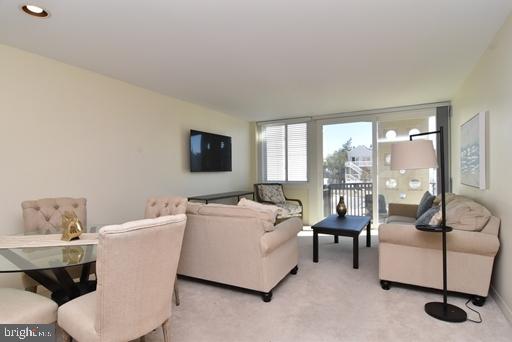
(489, 88)
(69, 132)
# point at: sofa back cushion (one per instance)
(425, 204)
(266, 218)
(464, 214)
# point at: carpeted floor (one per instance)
(328, 301)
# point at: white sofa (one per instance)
(411, 256)
(239, 247)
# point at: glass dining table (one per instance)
(49, 266)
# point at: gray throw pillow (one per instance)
(425, 204)
(427, 216)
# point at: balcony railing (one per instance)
(355, 195)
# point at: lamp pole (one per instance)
(442, 311)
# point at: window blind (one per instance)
(285, 152)
(275, 145)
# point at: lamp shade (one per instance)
(415, 154)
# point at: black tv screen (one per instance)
(209, 152)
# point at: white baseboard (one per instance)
(507, 311)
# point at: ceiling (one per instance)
(267, 59)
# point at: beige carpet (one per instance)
(328, 301)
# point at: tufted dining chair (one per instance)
(161, 206)
(44, 216)
(137, 263)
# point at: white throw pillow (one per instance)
(464, 214)
(273, 209)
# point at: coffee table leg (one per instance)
(336, 240)
(315, 246)
(369, 235)
(355, 252)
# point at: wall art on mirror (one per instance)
(472, 151)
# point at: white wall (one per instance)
(66, 131)
(489, 88)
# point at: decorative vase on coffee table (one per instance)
(341, 208)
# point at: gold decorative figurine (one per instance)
(72, 255)
(72, 227)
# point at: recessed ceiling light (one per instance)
(36, 11)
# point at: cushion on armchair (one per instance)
(290, 209)
(271, 193)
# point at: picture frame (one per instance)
(473, 165)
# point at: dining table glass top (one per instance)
(41, 258)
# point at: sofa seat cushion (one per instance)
(457, 240)
(397, 219)
(23, 307)
(289, 209)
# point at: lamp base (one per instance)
(447, 313)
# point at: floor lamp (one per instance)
(420, 154)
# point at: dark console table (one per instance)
(213, 197)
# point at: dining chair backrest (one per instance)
(44, 216)
(136, 266)
(163, 206)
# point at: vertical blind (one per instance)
(285, 152)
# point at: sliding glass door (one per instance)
(348, 166)
(356, 163)
(402, 186)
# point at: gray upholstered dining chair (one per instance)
(136, 265)
(24, 307)
(161, 206)
(44, 216)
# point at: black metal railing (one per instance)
(357, 197)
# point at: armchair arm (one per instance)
(294, 200)
(400, 209)
(283, 232)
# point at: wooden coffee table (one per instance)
(350, 226)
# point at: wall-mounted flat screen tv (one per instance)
(209, 152)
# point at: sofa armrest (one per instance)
(283, 232)
(457, 240)
(401, 209)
